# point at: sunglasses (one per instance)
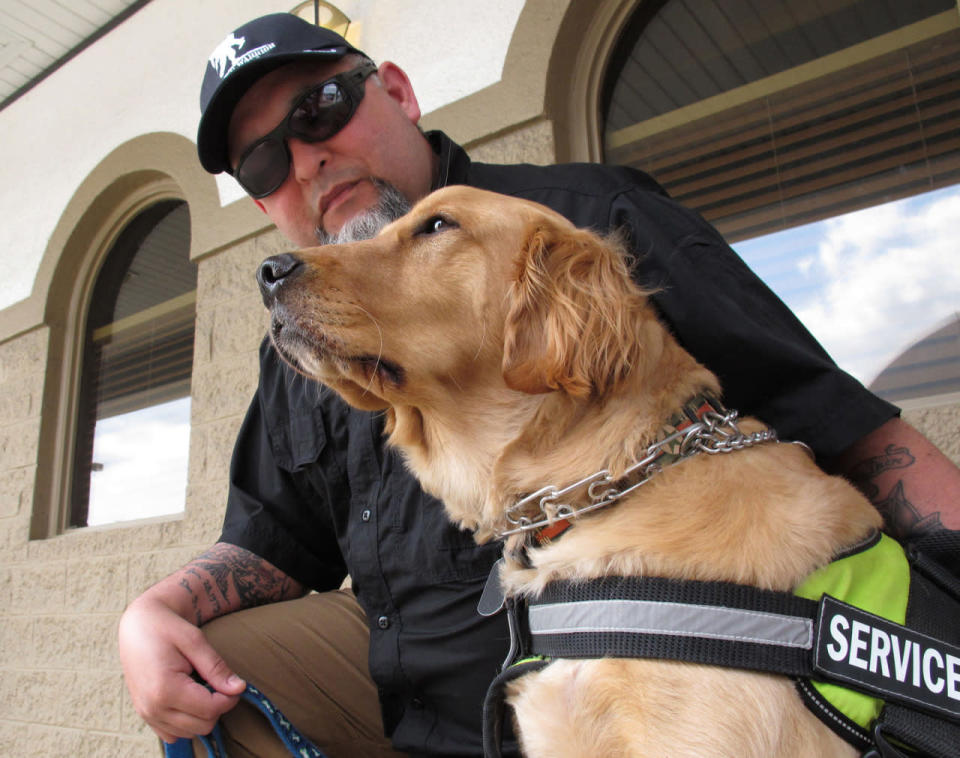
(319, 114)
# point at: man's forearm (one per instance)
(913, 484)
(224, 579)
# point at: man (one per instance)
(328, 146)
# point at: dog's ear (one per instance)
(573, 316)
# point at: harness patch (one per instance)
(886, 659)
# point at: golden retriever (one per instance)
(511, 351)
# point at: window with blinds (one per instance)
(812, 144)
(771, 118)
(134, 409)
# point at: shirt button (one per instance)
(383, 622)
(416, 704)
(365, 515)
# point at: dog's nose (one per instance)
(274, 272)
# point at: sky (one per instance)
(870, 283)
(144, 458)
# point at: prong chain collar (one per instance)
(714, 433)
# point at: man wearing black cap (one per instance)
(328, 146)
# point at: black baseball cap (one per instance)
(246, 54)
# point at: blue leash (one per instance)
(298, 745)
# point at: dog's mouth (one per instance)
(320, 355)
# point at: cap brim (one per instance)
(212, 131)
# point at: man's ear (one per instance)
(259, 204)
(574, 314)
(397, 85)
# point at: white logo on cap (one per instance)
(224, 55)
(249, 56)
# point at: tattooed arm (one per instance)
(228, 578)
(161, 645)
(913, 484)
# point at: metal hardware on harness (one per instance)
(713, 434)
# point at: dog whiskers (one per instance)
(483, 337)
(376, 363)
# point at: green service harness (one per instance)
(872, 640)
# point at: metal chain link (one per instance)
(714, 433)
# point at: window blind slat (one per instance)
(807, 150)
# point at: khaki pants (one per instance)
(309, 656)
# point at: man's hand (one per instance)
(159, 651)
(161, 645)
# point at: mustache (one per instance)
(391, 205)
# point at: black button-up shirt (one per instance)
(315, 491)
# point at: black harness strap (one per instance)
(716, 623)
(725, 624)
(762, 630)
(932, 609)
(737, 626)
(495, 703)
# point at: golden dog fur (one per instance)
(509, 351)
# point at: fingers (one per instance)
(214, 670)
(159, 652)
(188, 709)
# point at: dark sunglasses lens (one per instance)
(264, 168)
(322, 113)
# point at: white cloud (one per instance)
(871, 283)
(892, 277)
(144, 459)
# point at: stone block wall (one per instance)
(941, 425)
(61, 687)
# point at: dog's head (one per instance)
(468, 288)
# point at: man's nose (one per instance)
(307, 158)
(274, 272)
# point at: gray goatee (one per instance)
(390, 206)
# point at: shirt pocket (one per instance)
(429, 540)
(298, 441)
(461, 558)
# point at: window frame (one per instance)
(114, 265)
(94, 232)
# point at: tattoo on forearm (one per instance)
(227, 577)
(194, 600)
(212, 596)
(893, 458)
(900, 515)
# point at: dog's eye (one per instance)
(436, 224)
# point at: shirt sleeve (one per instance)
(768, 364)
(274, 509)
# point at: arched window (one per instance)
(822, 140)
(133, 423)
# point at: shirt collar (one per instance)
(453, 162)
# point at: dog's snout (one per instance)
(274, 272)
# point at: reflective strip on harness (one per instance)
(651, 617)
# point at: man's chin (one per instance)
(354, 201)
(363, 218)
